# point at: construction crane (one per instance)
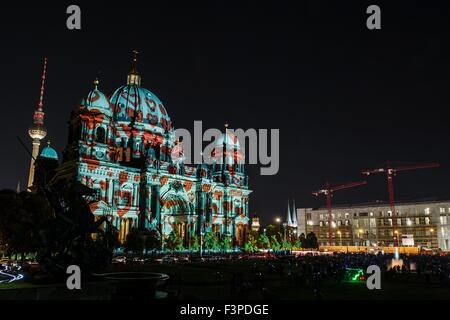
(391, 172)
(328, 190)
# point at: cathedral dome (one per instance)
(49, 152)
(96, 101)
(134, 104)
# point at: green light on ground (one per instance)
(356, 274)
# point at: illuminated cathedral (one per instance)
(124, 147)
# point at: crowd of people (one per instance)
(313, 271)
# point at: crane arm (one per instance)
(415, 167)
(319, 192)
(330, 189)
(347, 185)
(373, 171)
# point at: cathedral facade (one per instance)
(124, 147)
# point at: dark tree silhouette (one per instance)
(134, 242)
(311, 241)
(303, 241)
(56, 223)
(152, 240)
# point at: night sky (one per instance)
(344, 98)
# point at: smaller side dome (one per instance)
(96, 101)
(49, 152)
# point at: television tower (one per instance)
(37, 131)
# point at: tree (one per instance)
(134, 242)
(302, 239)
(195, 243)
(286, 245)
(251, 244)
(255, 234)
(274, 244)
(297, 244)
(174, 242)
(225, 243)
(311, 241)
(211, 242)
(22, 216)
(152, 240)
(272, 230)
(264, 242)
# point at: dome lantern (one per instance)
(133, 77)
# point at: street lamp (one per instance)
(340, 237)
(431, 242)
(278, 221)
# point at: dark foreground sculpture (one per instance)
(55, 223)
(136, 285)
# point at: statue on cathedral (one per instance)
(150, 157)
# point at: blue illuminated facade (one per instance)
(125, 148)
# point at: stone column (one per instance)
(157, 204)
(135, 195)
(110, 191)
(225, 210)
(127, 227)
(121, 230)
(246, 207)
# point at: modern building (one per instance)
(124, 146)
(419, 223)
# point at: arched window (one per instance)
(100, 135)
